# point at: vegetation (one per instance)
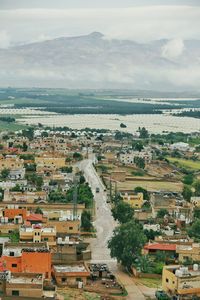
(139, 162)
(126, 243)
(86, 221)
(184, 163)
(66, 169)
(161, 213)
(122, 212)
(77, 156)
(194, 230)
(187, 193)
(5, 173)
(139, 189)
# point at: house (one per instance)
(14, 164)
(188, 252)
(49, 164)
(25, 285)
(181, 282)
(71, 275)
(27, 258)
(38, 233)
(180, 146)
(132, 198)
(70, 250)
(153, 248)
(128, 158)
(25, 197)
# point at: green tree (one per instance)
(86, 221)
(126, 243)
(77, 156)
(194, 230)
(38, 210)
(1, 194)
(139, 162)
(24, 147)
(144, 134)
(16, 188)
(122, 212)
(187, 193)
(138, 146)
(188, 179)
(139, 189)
(197, 187)
(5, 173)
(161, 213)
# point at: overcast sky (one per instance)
(23, 21)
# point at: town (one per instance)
(99, 214)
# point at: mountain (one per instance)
(94, 61)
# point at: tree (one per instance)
(122, 212)
(197, 187)
(187, 193)
(77, 156)
(1, 194)
(139, 189)
(161, 213)
(144, 134)
(188, 179)
(5, 173)
(137, 146)
(126, 243)
(139, 162)
(16, 188)
(194, 230)
(39, 211)
(82, 179)
(86, 221)
(24, 147)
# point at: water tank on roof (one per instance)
(195, 267)
(67, 239)
(59, 240)
(178, 273)
(6, 220)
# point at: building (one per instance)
(153, 248)
(132, 198)
(181, 282)
(27, 258)
(49, 164)
(188, 252)
(128, 158)
(71, 275)
(25, 197)
(25, 285)
(38, 233)
(180, 146)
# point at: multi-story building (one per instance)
(37, 233)
(27, 258)
(188, 252)
(181, 282)
(132, 198)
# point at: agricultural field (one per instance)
(184, 163)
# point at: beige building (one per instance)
(71, 275)
(49, 163)
(25, 197)
(24, 285)
(134, 199)
(37, 234)
(181, 281)
(11, 163)
(188, 252)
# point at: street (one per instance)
(105, 224)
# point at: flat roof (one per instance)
(26, 279)
(69, 269)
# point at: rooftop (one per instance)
(33, 279)
(70, 269)
(162, 247)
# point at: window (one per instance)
(14, 265)
(64, 279)
(78, 279)
(12, 253)
(15, 293)
(167, 280)
(70, 228)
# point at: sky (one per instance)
(25, 21)
(142, 21)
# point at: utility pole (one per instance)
(75, 195)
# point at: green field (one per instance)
(10, 126)
(184, 163)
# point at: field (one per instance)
(11, 126)
(150, 282)
(151, 185)
(184, 163)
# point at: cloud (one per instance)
(173, 49)
(140, 23)
(4, 39)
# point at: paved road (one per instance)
(104, 224)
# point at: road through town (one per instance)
(105, 224)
